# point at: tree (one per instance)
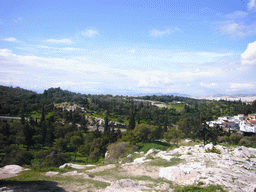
(76, 142)
(131, 125)
(174, 135)
(28, 134)
(84, 124)
(106, 126)
(50, 136)
(203, 131)
(214, 132)
(43, 116)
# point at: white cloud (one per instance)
(72, 83)
(249, 56)
(58, 41)
(20, 19)
(208, 85)
(235, 29)
(90, 33)
(10, 39)
(158, 33)
(6, 52)
(12, 71)
(252, 5)
(234, 24)
(241, 86)
(237, 15)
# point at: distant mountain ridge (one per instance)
(232, 95)
(160, 94)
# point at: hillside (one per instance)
(187, 168)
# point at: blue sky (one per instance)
(196, 47)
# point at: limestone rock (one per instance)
(51, 173)
(151, 151)
(11, 169)
(173, 174)
(123, 185)
(75, 166)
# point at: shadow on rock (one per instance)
(29, 186)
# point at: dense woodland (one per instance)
(47, 135)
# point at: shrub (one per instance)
(117, 150)
(23, 158)
(57, 159)
(14, 155)
(235, 138)
(213, 150)
(221, 139)
(245, 142)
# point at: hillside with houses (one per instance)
(244, 124)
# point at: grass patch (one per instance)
(145, 147)
(165, 163)
(44, 169)
(33, 177)
(178, 106)
(210, 188)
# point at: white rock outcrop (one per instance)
(234, 168)
(75, 166)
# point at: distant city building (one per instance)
(240, 122)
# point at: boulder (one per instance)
(123, 185)
(173, 174)
(11, 169)
(152, 151)
(208, 146)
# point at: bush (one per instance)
(235, 138)
(213, 150)
(14, 155)
(116, 151)
(221, 139)
(245, 142)
(57, 159)
(23, 158)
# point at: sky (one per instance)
(193, 47)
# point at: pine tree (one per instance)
(106, 126)
(43, 116)
(131, 125)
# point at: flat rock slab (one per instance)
(75, 166)
(101, 168)
(75, 173)
(51, 173)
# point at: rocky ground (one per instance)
(234, 169)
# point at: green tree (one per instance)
(106, 126)
(173, 135)
(76, 142)
(131, 125)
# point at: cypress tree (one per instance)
(106, 126)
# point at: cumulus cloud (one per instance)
(90, 33)
(241, 86)
(237, 15)
(249, 56)
(208, 85)
(234, 24)
(10, 39)
(252, 5)
(235, 29)
(59, 41)
(157, 33)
